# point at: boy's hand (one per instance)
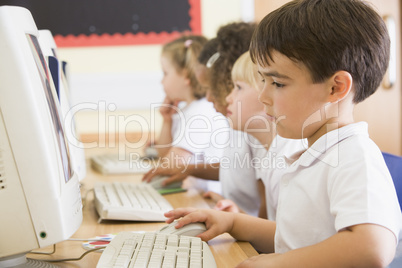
(262, 260)
(217, 222)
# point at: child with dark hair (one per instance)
(206, 59)
(337, 203)
(232, 41)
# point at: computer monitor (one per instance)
(40, 200)
(49, 50)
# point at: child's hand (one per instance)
(168, 108)
(227, 205)
(217, 222)
(149, 143)
(213, 196)
(262, 260)
(177, 173)
(222, 203)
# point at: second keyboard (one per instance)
(130, 201)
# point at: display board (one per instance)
(117, 22)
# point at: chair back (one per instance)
(394, 164)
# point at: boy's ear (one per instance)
(342, 82)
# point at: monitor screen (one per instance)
(51, 101)
(40, 199)
(76, 148)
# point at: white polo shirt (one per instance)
(340, 181)
(199, 129)
(275, 165)
(236, 173)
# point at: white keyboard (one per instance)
(130, 201)
(156, 250)
(110, 164)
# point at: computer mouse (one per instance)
(192, 229)
(156, 183)
(150, 153)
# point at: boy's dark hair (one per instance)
(233, 40)
(327, 36)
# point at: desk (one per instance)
(227, 251)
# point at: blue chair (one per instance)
(394, 164)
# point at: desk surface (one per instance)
(227, 251)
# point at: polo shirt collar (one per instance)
(326, 142)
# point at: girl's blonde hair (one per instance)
(245, 70)
(183, 53)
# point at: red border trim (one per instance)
(129, 38)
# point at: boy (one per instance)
(337, 204)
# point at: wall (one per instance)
(263, 7)
(123, 80)
(383, 110)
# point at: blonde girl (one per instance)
(246, 115)
(185, 111)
